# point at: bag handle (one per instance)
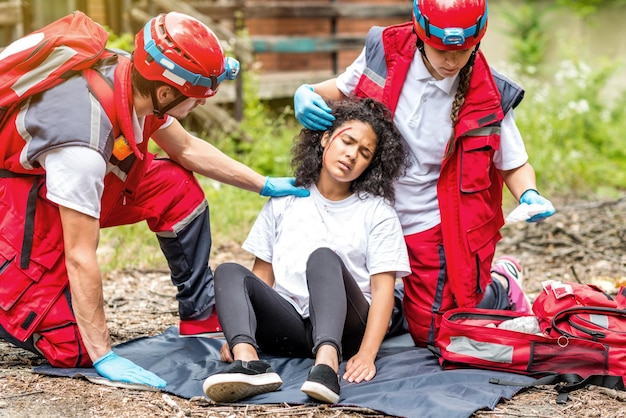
(595, 335)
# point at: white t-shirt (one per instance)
(363, 231)
(423, 118)
(75, 174)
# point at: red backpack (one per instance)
(579, 338)
(49, 56)
(65, 48)
(583, 311)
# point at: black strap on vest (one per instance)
(29, 226)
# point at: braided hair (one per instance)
(459, 98)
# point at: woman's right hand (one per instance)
(360, 368)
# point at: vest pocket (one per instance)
(13, 280)
(476, 159)
(27, 293)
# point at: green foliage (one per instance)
(572, 130)
(124, 41)
(573, 134)
(527, 30)
(588, 7)
(270, 134)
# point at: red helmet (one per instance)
(450, 24)
(183, 52)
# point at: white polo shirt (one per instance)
(423, 118)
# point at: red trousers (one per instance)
(428, 294)
(35, 308)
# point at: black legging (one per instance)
(252, 312)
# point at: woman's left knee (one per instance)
(321, 255)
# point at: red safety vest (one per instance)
(32, 225)
(469, 188)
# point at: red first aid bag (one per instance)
(472, 337)
(583, 311)
(557, 297)
(48, 56)
(578, 337)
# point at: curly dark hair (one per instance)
(390, 157)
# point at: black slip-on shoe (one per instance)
(322, 384)
(241, 379)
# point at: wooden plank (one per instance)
(307, 44)
(284, 84)
(312, 9)
(271, 86)
(10, 14)
(240, 46)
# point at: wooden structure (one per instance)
(290, 42)
(287, 42)
(11, 21)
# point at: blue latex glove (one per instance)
(120, 369)
(311, 110)
(282, 186)
(532, 197)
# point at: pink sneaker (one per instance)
(209, 327)
(509, 268)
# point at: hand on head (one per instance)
(311, 109)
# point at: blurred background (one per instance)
(569, 55)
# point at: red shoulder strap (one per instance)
(104, 92)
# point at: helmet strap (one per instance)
(161, 112)
(420, 48)
(420, 44)
(473, 56)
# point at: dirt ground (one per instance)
(584, 241)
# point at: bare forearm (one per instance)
(328, 90)
(377, 324)
(520, 179)
(88, 305)
(80, 236)
(205, 159)
(374, 334)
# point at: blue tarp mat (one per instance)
(408, 383)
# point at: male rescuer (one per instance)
(68, 169)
